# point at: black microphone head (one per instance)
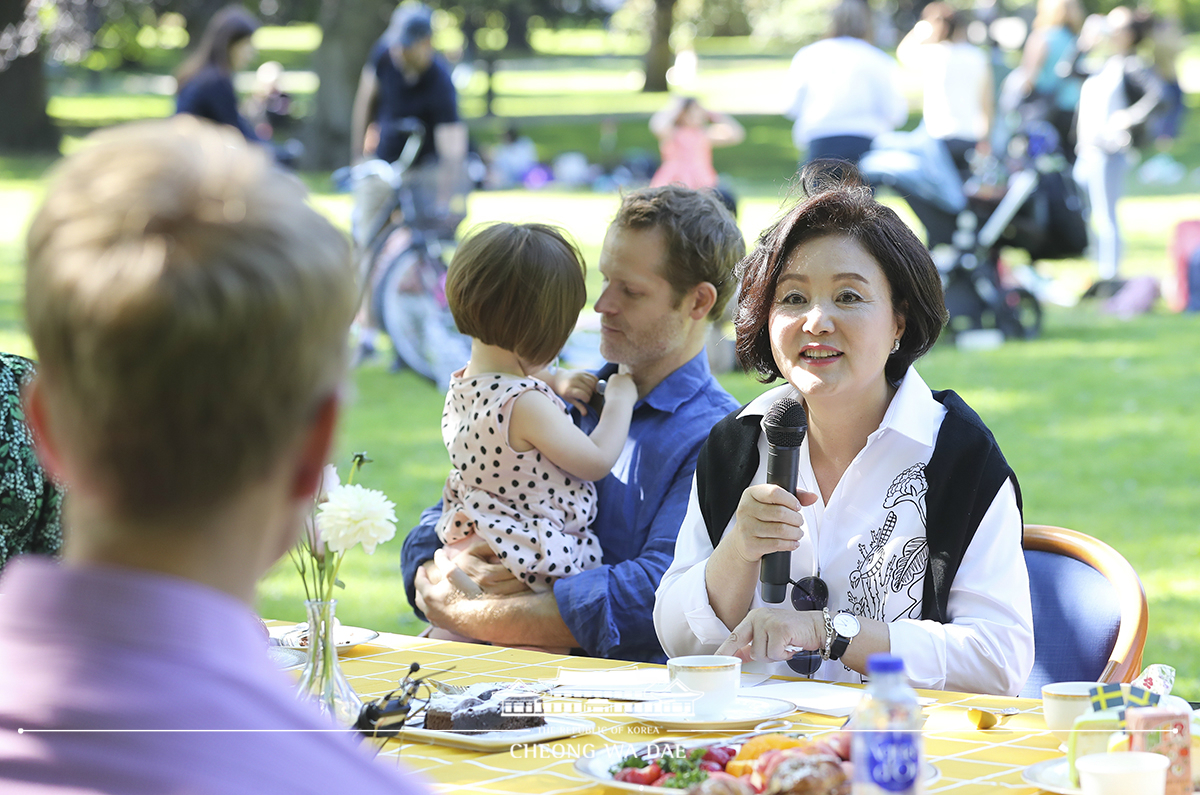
(785, 423)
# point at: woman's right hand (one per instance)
(767, 520)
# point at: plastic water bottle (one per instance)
(886, 744)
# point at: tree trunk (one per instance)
(24, 124)
(350, 28)
(659, 57)
(518, 32)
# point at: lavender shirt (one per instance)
(107, 648)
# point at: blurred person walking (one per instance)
(957, 94)
(1113, 103)
(1047, 67)
(846, 90)
(1166, 44)
(204, 82)
(404, 79)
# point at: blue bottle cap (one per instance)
(884, 664)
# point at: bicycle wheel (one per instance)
(410, 304)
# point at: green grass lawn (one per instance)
(1098, 416)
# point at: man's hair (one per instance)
(703, 241)
(189, 310)
(518, 286)
(851, 18)
(837, 204)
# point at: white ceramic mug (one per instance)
(1062, 703)
(1131, 773)
(713, 677)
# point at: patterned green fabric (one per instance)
(30, 503)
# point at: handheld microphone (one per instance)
(785, 425)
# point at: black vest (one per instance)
(964, 474)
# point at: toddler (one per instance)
(687, 133)
(522, 470)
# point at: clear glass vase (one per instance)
(322, 679)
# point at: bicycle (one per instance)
(403, 268)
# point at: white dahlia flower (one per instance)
(353, 515)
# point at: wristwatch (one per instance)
(845, 629)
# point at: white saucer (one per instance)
(286, 658)
(1053, 775)
(745, 712)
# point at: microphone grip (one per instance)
(783, 467)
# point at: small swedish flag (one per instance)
(1140, 697)
(1106, 697)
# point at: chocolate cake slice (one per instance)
(485, 708)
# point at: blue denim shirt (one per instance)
(641, 504)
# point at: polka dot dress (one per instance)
(532, 514)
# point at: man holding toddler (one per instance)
(667, 262)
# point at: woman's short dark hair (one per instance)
(518, 286)
(836, 203)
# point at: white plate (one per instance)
(285, 658)
(596, 767)
(344, 637)
(557, 727)
(746, 712)
(1053, 775)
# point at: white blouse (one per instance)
(868, 544)
(953, 81)
(844, 86)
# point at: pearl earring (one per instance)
(895, 346)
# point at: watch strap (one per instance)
(827, 649)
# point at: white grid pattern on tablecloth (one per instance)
(970, 761)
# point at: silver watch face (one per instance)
(845, 625)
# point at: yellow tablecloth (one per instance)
(970, 761)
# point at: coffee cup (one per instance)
(1131, 773)
(713, 678)
(1062, 703)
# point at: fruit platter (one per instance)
(743, 765)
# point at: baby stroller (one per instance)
(1028, 200)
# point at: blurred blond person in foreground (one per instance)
(189, 311)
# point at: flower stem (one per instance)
(333, 576)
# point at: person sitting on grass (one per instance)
(522, 470)
(667, 263)
(190, 313)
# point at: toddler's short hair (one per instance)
(189, 310)
(518, 286)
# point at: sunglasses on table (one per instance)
(808, 593)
